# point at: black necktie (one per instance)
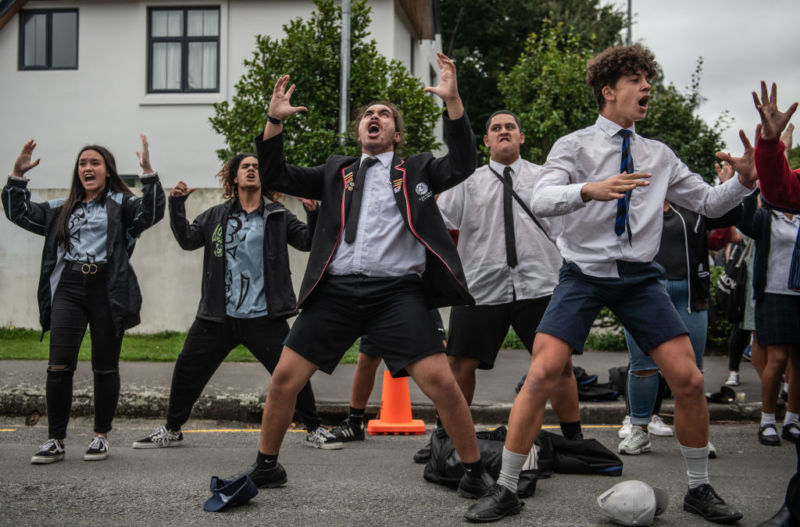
(508, 219)
(351, 225)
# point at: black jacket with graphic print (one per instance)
(418, 178)
(208, 231)
(128, 217)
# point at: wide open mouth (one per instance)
(373, 129)
(89, 177)
(643, 102)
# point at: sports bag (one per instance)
(732, 284)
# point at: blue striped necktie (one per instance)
(621, 222)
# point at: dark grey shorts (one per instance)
(637, 298)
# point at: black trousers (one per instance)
(207, 345)
(81, 300)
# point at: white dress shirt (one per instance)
(384, 246)
(594, 154)
(475, 208)
(783, 232)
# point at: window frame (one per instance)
(48, 40)
(184, 40)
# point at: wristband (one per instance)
(273, 120)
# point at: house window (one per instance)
(183, 50)
(48, 39)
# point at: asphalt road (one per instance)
(367, 483)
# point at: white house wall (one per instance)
(105, 101)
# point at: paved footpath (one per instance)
(370, 483)
(235, 391)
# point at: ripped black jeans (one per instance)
(81, 300)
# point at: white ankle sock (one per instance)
(696, 465)
(768, 419)
(510, 469)
(790, 418)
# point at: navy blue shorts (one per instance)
(391, 312)
(637, 298)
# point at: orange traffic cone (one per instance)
(395, 415)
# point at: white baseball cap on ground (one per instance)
(633, 502)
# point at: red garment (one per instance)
(719, 238)
(780, 185)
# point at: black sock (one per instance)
(571, 430)
(475, 469)
(356, 416)
(266, 460)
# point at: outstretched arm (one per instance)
(17, 198)
(447, 89)
(189, 237)
(773, 121)
(142, 213)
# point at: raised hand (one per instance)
(773, 120)
(280, 106)
(23, 162)
(447, 89)
(144, 156)
(744, 165)
(614, 187)
(181, 190)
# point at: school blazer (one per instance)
(416, 180)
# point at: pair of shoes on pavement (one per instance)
(637, 442)
(321, 438)
(656, 427)
(53, 450)
(497, 503)
(348, 430)
(733, 379)
(163, 437)
(705, 501)
(265, 478)
(766, 438)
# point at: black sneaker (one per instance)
(496, 504)
(704, 500)
(265, 478)
(347, 431)
(423, 454)
(321, 438)
(50, 452)
(474, 488)
(98, 449)
(161, 438)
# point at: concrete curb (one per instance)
(248, 408)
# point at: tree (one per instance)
(547, 89)
(485, 38)
(310, 53)
(794, 157)
(672, 118)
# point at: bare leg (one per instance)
(677, 362)
(363, 380)
(434, 377)
(759, 355)
(550, 361)
(291, 374)
(793, 378)
(565, 397)
(777, 358)
(464, 372)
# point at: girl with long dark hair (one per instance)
(86, 278)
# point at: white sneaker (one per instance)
(638, 442)
(321, 438)
(733, 379)
(657, 427)
(625, 431)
